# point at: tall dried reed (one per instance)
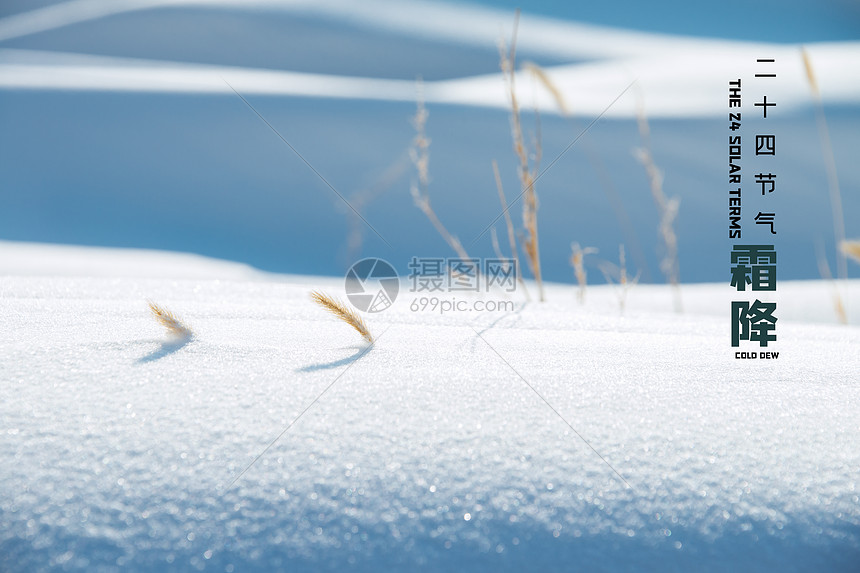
(619, 274)
(512, 241)
(667, 207)
(824, 270)
(420, 154)
(527, 172)
(851, 248)
(830, 167)
(577, 261)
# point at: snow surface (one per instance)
(428, 450)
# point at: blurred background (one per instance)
(118, 128)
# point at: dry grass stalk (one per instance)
(577, 261)
(667, 207)
(343, 312)
(830, 167)
(420, 154)
(175, 327)
(510, 225)
(544, 79)
(617, 205)
(361, 199)
(527, 174)
(536, 145)
(494, 238)
(851, 248)
(609, 271)
(824, 269)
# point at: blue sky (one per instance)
(202, 174)
(763, 20)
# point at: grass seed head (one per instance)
(343, 312)
(170, 321)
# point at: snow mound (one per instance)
(431, 449)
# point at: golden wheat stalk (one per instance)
(343, 312)
(170, 321)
